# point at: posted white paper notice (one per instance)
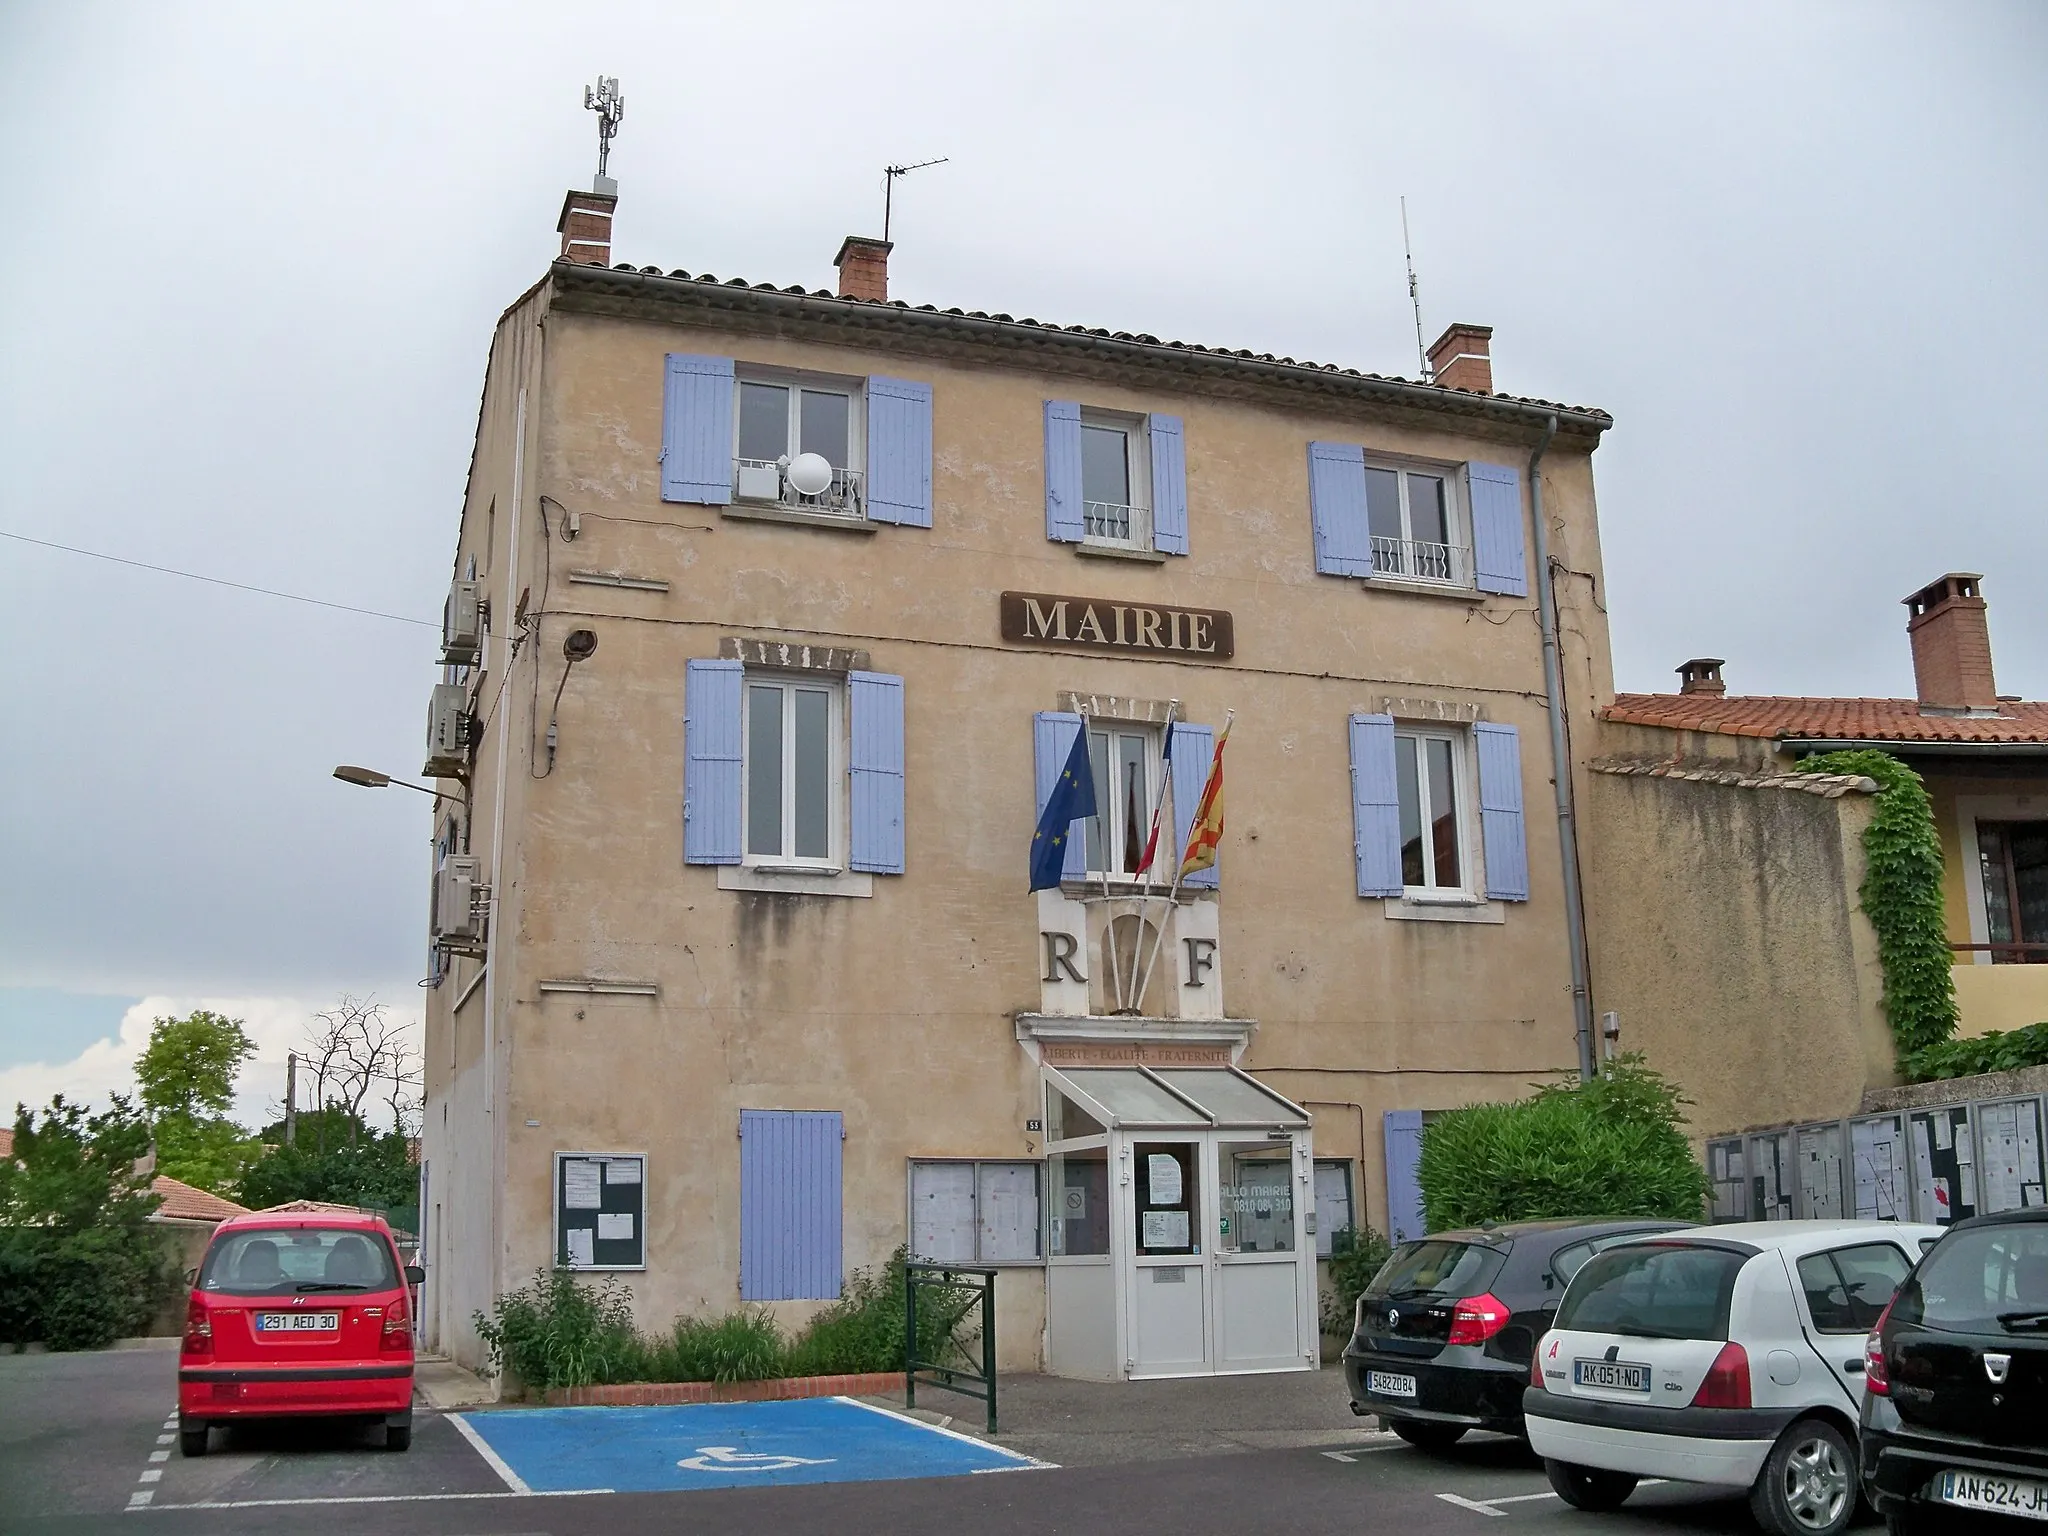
(581, 1190)
(622, 1170)
(615, 1226)
(1166, 1229)
(579, 1246)
(1162, 1173)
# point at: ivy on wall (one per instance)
(1901, 896)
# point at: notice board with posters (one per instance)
(601, 1210)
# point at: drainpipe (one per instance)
(1560, 762)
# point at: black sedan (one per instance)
(1955, 1411)
(1442, 1336)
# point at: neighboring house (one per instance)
(1726, 927)
(737, 983)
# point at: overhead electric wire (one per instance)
(240, 586)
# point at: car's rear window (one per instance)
(266, 1261)
(1980, 1280)
(1438, 1267)
(1653, 1291)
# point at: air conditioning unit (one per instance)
(760, 482)
(461, 900)
(447, 732)
(462, 624)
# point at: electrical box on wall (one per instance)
(460, 902)
(462, 626)
(447, 732)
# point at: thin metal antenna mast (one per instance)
(610, 108)
(889, 175)
(1414, 293)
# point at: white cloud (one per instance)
(107, 1066)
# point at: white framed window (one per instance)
(792, 808)
(1432, 781)
(1334, 1210)
(2005, 878)
(1124, 758)
(974, 1212)
(1116, 480)
(1418, 521)
(778, 416)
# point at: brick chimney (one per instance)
(586, 223)
(1951, 646)
(1463, 358)
(1702, 675)
(863, 268)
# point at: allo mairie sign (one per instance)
(1101, 624)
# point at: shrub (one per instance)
(864, 1329)
(558, 1333)
(741, 1346)
(1610, 1147)
(1355, 1257)
(2002, 1050)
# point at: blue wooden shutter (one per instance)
(1375, 806)
(696, 430)
(1063, 511)
(1169, 487)
(1052, 738)
(1336, 504)
(899, 452)
(1498, 559)
(790, 1205)
(711, 762)
(875, 766)
(1193, 747)
(1405, 1219)
(1500, 811)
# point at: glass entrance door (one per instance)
(1167, 1326)
(1261, 1240)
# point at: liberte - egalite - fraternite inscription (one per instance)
(1096, 623)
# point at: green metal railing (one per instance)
(959, 1292)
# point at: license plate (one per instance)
(297, 1322)
(1389, 1384)
(2006, 1495)
(1616, 1375)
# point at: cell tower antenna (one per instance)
(1414, 293)
(889, 175)
(610, 108)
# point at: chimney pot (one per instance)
(1702, 675)
(1951, 636)
(864, 268)
(586, 224)
(1463, 358)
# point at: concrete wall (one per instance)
(1726, 932)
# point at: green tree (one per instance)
(334, 1156)
(187, 1078)
(80, 1264)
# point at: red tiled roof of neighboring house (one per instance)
(312, 1208)
(184, 1203)
(2017, 721)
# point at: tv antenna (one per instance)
(1414, 293)
(889, 175)
(610, 108)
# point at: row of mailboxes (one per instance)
(1936, 1164)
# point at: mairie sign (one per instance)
(1097, 623)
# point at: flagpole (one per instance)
(1109, 930)
(1173, 891)
(1143, 973)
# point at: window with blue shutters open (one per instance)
(1124, 758)
(1437, 811)
(1415, 524)
(802, 771)
(1115, 481)
(771, 440)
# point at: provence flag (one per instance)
(1207, 830)
(1072, 797)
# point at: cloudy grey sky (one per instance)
(255, 253)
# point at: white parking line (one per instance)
(492, 1459)
(1023, 1461)
(1491, 1506)
(377, 1498)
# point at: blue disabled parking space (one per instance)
(723, 1445)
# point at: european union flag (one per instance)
(1072, 798)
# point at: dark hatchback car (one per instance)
(1956, 1411)
(1442, 1337)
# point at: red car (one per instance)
(301, 1315)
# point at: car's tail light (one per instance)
(1536, 1368)
(198, 1328)
(397, 1326)
(1875, 1377)
(1727, 1380)
(1477, 1319)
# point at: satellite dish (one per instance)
(810, 474)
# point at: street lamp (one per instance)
(370, 778)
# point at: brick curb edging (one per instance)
(648, 1394)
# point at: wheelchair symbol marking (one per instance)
(730, 1458)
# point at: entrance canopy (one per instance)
(1178, 1098)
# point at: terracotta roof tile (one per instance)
(1900, 720)
(184, 1203)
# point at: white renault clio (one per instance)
(1730, 1355)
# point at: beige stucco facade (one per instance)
(898, 1006)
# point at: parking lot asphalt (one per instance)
(80, 1436)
